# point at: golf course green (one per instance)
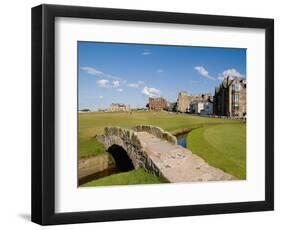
(222, 146)
(221, 142)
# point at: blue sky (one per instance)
(130, 73)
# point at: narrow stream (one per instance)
(182, 140)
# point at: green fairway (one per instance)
(93, 123)
(137, 176)
(222, 146)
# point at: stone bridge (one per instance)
(156, 151)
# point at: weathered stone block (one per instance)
(169, 137)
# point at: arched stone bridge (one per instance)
(157, 151)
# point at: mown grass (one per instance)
(91, 124)
(222, 146)
(90, 147)
(137, 176)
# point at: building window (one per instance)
(235, 99)
(236, 86)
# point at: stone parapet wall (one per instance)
(157, 132)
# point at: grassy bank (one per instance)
(137, 176)
(222, 146)
(91, 124)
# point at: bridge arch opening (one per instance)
(122, 160)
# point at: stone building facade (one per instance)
(157, 103)
(230, 98)
(118, 107)
(207, 97)
(193, 103)
(182, 102)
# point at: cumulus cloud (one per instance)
(103, 83)
(119, 90)
(151, 92)
(203, 72)
(231, 73)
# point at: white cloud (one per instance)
(100, 97)
(136, 85)
(146, 52)
(107, 84)
(103, 83)
(113, 77)
(151, 92)
(231, 73)
(203, 72)
(159, 71)
(133, 85)
(119, 90)
(92, 71)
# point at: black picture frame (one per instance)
(43, 114)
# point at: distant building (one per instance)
(171, 106)
(117, 107)
(202, 107)
(157, 103)
(182, 102)
(193, 103)
(208, 108)
(201, 97)
(196, 107)
(230, 98)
